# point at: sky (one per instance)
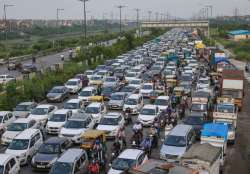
(73, 9)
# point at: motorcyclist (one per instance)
(94, 167)
(62, 57)
(138, 128)
(116, 147)
(147, 144)
(157, 126)
(174, 117)
(153, 133)
(98, 150)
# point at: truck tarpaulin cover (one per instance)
(215, 130)
(220, 57)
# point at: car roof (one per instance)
(113, 115)
(44, 106)
(70, 155)
(148, 84)
(58, 87)
(80, 116)
(4, 158)
(180, 130)
(89, 88)
(75, 100)
(134, 96)
(55, 140)
(73, 80)
(4, 112)
(130, 153)
(61, 111)
(26, 133)
(94, 104)
(148, 106)
(22, 120)
(26, 103)
(119, 93)
(163, 97)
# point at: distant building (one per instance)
(239, 34)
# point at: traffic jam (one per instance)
(167, 107)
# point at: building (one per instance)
(239, 34)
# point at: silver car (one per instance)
(117, 100)
(23, 109)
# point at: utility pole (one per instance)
(149, 16)
(85, 18)
(156, 16)
(161, 16)
(120, 8)
(5, 6)
(211, 10)
(57, 16)
(137, 17)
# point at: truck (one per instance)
(225, 111)
(215, 134)
(202, 157)
(232, 86)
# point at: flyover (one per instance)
(204, 25)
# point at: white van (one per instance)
(74, 85)
(9, 164)
(25, 145)
(134, 103)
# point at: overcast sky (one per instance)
(73, 9)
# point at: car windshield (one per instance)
(186, 78)
(135, 82)
(168, 72)
(57, 90)
(225, 108)
(194, 120)
(123, 164)
(92, 110)
(71, 83)
(161, 102)
(116, 97)
(131, 101)
(128, 89)
(62, 168)
(71, 106)
(177, 141)
(146, 111)
(58, 118)
(17, 127)
(107, 89)
(110, 79)
(203, 81)
(96, 78)
(156, 68)
(39, 111)
(131, 74)
(19, 144)
(199, 107)
(101, 73)
(74, 124)
(1, 169)
(109, 121)
(21, 108)
(85, 93)
(49, 149)
(147, 87)
(89, 72)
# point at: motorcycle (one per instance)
(136, 140)
(128, 117)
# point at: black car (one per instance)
(58, 94)
(49, 152)
(28, 68)
(197, 120)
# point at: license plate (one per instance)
(38, 166)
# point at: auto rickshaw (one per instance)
(97, 98)
(90, 136)
(172, 82)
(179, 91)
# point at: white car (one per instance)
(162, 102)
(42, 113)
(147, 89)
(134, 103)
(6, 118)
(58, 120)
(96, 110)
(111, 123)
(203, 83)
(86, 94)
(128, 159)
(4, 79)
(9, 164)
(148, 114)
(131, 76)
(17, 127)
(76, 126)
(74, 105)
(89, 73)
(74, 85)
(137, 83)
(25, 145)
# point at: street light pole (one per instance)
(137, 16)
(120, 8)
(149, 16)
(57, 15)
(85, 18)
(5, 6)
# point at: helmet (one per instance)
(97, 141)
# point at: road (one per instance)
(47, 61)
